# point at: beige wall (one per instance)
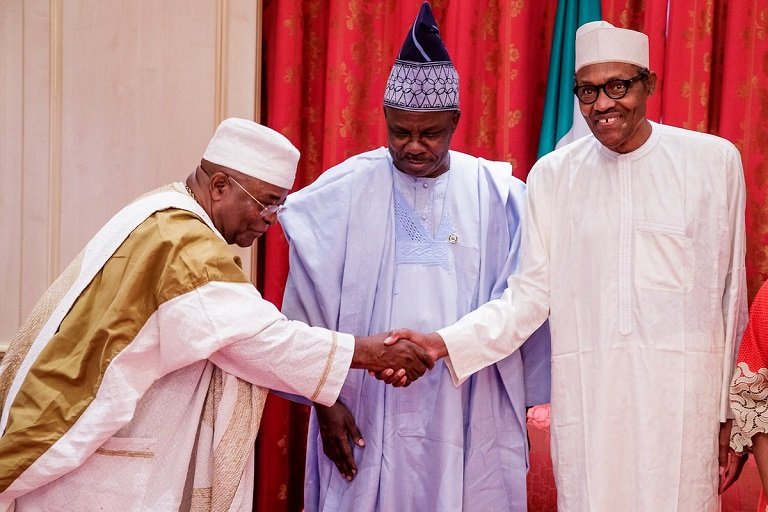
(101, 101)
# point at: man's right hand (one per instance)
(404, 359)
(433, 343)
(337, 427)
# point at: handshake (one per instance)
(398, 357)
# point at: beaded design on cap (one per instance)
(433, 86)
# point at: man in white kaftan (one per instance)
(414, 234)
(633, 246)
(131, 385)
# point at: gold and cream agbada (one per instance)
(139, 371)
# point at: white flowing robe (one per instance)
(638, 259)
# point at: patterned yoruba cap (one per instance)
(423, 77)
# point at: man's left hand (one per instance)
(731, 463)
(337, 428)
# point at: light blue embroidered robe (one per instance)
(364, 261)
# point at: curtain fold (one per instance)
(561, 121)
(326, 63)
(742, 117)
(712, 60)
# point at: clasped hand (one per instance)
(430, 344)
(397, 363)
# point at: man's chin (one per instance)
(609, 140)
(248, 240)
(245, 242)
(417, 170)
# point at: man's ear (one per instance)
(651, 81)
(456, 117)
(219, 185)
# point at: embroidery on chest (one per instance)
(414, 243)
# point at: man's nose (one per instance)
(603, 101)
(414, 145)
(270, 219)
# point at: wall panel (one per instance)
(11, 137)
(102, 101)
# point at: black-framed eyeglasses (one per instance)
(267, 210)
(614, 89)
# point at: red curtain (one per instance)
(712, 58)
(326, 63)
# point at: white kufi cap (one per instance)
(599, 41)
(255, 150)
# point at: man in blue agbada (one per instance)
(414, 235)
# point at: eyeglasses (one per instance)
(614, 89)
(267, 210)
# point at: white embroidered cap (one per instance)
(255, 150)
(599, 41)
